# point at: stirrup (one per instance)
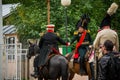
(82, 72)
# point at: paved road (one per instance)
(78, 77)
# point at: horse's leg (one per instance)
(58, 78)
(64, 70)
(88, 70)
(41, 74)
(71, 75)
(92, 70)
(40, 78)
(52, 79)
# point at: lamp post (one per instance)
(48, 11)
(66, 3)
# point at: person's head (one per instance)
(107, 46)
(50, 28)
(81, 29)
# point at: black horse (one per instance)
(56, 67)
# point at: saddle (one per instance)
(44, 70)
(89, 55)
(52, 53)
(74, 64)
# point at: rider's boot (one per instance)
(82, 69)
(36, 72)
(92, 70)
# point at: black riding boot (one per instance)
(92, 70)
(36, 72)
(82, 69)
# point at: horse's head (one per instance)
(32, 50)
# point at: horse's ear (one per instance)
(36, 42)
(30, 43)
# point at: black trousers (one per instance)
(36, 60)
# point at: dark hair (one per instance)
(106, 21)
(108, 45)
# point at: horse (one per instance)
(75, 67)
(57, 65)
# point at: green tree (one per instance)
(30, 17)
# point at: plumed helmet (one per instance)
(83, 22)
(107, 19)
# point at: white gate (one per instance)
(14, 62)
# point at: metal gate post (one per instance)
(1, 39)
(20, 50)
(16, 58)
(28, 69)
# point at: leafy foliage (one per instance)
(30, 17)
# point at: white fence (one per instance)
(14, 62)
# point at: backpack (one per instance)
(114, 66)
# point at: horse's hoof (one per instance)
(35, 76)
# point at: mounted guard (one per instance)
(83, 41)
(106, 33)
(48, 44)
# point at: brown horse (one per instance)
(75, 67)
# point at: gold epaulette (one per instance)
(76, 32)
(88, 31)
(41, 34)
(57, 34)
